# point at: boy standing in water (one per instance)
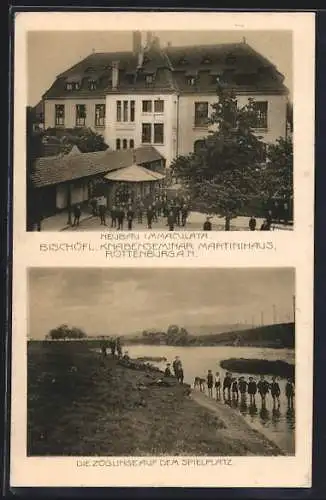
(210, 383)
(289, 392)
(227, 382)
(252, 390)
(275, 392)
(218, 385)
(235, 390)
(263, 389)
(242, 386)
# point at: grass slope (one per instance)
(80, 404)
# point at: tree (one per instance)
(221, 176)
(176, 335)
(85, 139)
(63, 332)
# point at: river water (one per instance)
(277, 424)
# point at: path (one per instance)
(236, 428)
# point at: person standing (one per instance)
(217, 385)
(263, 388)
(130, 217)
(171, 220)
(113, 216)
(207, 225)
(242, 387)
(102, 210)
(235, 389)
(140, 210)
(77, 214)
(227, 382)
(120, 217)
(167, 371)
(210, 382)
(275, 392)
(93, 204)
(184, 215)
(252, 390)
(289, 392)
(150, 215)
(252, 223)
(119, 347)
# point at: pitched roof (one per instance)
(243, 67)
(52, 170)
(134, 173)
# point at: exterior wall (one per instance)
(133, 130)
(79, 193)
(188, 133)
(70, 113)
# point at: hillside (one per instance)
(281, 335)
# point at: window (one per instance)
(118, 144)
(92, 85)
(158, 133)
(99, 115)
(159, 106)
(199, 145)
(118, 111)
(72, 86)
(80, 115)
(131, 144)
(59, 114)
(146, 135)
(132, 111)
(124, 144)
(260, 108)
(191, 80)
(201, 114)
(125, 111)
(147, 106)
(149, 78)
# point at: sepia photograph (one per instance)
(159, 130)
(155, 362)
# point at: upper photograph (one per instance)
(165, 130)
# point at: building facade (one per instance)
(163, 97)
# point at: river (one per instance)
(277, 425)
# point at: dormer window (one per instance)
(149, 79)
(92, 85)
(72, 86)
(191, 81)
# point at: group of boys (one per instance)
(176, 212)
(233, 387)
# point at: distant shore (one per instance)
(81, 403)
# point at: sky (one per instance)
(106, 301)
(49, 53)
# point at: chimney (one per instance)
(136, 42)
(115, 75)
(149, 38)
(134, 159)
(140, 58)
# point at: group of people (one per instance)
(176, 212)
(266, 225)
(114, 345)
(233, 387)
(177, 369)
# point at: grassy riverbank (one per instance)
(80, 404)
(259, 367)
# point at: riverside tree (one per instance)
(222, 176)
(64, 332)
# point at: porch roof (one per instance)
(134, 173)
(76, 165)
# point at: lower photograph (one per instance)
(161, 361)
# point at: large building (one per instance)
(163, 96)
